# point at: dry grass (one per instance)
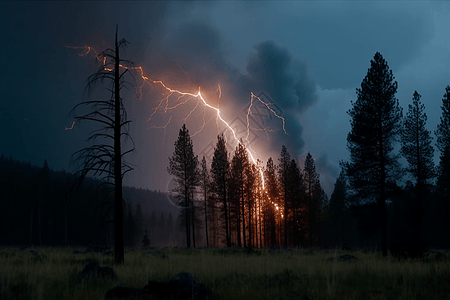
(230, 274)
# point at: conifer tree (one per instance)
(239, 163)
(296, 194)
(220, 169)
(312, 185)
(337, 205)
(205, 185)
(375, 126)
(416, 145)
(283, 169)
(443, 144)
(145, 239)
(272, 191)
(184, 166)
(417, 149)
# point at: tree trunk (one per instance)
(193, 221)
(206, 223)
(31, 228)
(118, 206)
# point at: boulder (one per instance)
(345, 257)
(106, 273)
(181, 287)
(125, 292)
(92, 270)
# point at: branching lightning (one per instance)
(184, 97)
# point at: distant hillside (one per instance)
(150, 201)
(37, 202)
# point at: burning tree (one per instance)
(106, 159)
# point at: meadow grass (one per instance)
(230, 274)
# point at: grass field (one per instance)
(229, 273)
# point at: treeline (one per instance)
(239, 202)
(377, 202)
(158, 229)
(43, 207)
(402, 208)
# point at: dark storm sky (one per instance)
(307, 57)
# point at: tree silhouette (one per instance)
(272, 191)
(337, 205)
(105, 159)
(417, 149)
(184, 166)
(314, 194)
(283, 169)
(443, 144)
(145, 239)
(375, 126)
(205, 186)
(297, 194)
(220, 169)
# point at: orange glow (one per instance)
(184, 97)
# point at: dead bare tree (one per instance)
(105, 158)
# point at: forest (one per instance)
(43, 207)
(236, 201)
(376, 202)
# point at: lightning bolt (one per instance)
(71, 127)
(184, 97)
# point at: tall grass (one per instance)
(230, 274)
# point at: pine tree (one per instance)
(296, 194)
(417, 149)
(283, 169)
(416, 145)
(272, 190)
(205, 188)
(443, 144)
(184, 166)
(375, 126)
(250, 197)
(337, 205)
(312, 185)
(239, 163)
(145, 240)
(220, 169)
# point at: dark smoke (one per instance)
(272, 70)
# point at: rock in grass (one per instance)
(345, 257)
(107, 273)
(125, 292)
(181, 287)
(92, 270)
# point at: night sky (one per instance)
(305, 58)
